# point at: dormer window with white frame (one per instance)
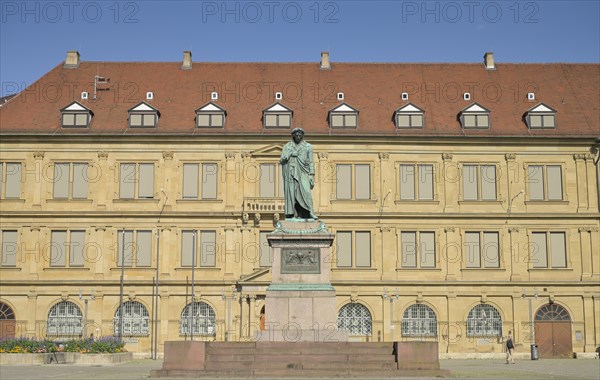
(343, 116)
(540, 117)
(76, 115)
(475, 117)
(210, 115)
(143, 115)
(277, 116)
(409, 116)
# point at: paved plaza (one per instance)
(461, 369)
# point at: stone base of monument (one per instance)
(300, 360)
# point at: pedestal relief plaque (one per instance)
(300, 260)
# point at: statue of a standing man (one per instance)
(298, 177)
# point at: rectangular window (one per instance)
(344, 120)
(479, 182)
(70, 180)
(353, 249)
(210, 120)
(276, 120)
(265, 251)
(10, 180)
(75, 120)
(416, 182)
(542, 121)
(421, 255)
(548, 250)
(476, 121)
(193, 187)
(136, 179)
(203, 243)
(271, 181)
(67, 248)
(409, 120)
(9, 248)
(139, 120)
(545, 182)
(482, 249)
(353, 181)
(136, 246)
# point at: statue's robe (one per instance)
(298, 167)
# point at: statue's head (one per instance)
(297, 135)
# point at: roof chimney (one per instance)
(72, 61)
(325, 64)
(488, 61)
(187, 60)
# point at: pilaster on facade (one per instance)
(325, 184)
(102, 192)
(451, 254)
(388, 261)
(36, 169)
(514, 251)
(451, 187)
(233, 180)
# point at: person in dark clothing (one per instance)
(510, 347)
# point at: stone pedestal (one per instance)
(300, 302)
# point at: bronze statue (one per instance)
(298, 177)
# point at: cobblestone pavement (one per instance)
(461, 369)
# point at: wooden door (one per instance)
(7, 322)
(553, 332)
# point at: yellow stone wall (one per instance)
(451, 290)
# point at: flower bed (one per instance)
(33, 346)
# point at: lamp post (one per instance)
(85, 309)
(391, 298)
(531, 329)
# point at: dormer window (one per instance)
(210, 116)
(409, 116)
(475, 117)
(143, 115)
(76, 116)
(541, 117)
(277, 116)
(343, 116)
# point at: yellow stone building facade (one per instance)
(439, 236)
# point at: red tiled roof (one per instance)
(246, 89)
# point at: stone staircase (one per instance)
(286, 359)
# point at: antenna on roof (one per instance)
(99, 80)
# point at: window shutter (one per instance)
(80, 181)
(407, 182)
(58, 249)
(127, 181)
(208, 248)
(490, 250)
(557, 245)
(426, 182)
(9, 248)
(209, 181)
(409, 249)
(427, 249)
(267, 180)
(76, 247)
(535, 178)
(143, 245)
(146, 181)
(13, 180)
(344, 249)
(554, 175)
(538, 250)
(363, 249)
(362, 181)
(344, 182)
(470, 182)
(61, 180)
(190, 181)
(488, 182)
(472, 250)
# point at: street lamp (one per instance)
(392, 298)
(531, 329)
(85, 309)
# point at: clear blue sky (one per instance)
(35, 35)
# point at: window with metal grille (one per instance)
(203, 319)
(419, 320)
(484, 320)
(136, 320)
(6, 312)
(552, 312)
(64, 319)
(356, 319)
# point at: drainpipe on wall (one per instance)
(596, 148)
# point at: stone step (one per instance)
(251, 366)
(294, 373)
(300, 351)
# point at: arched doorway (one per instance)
(262, 319)
(553, 332)
(7, 322)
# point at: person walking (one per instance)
(510, 348)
